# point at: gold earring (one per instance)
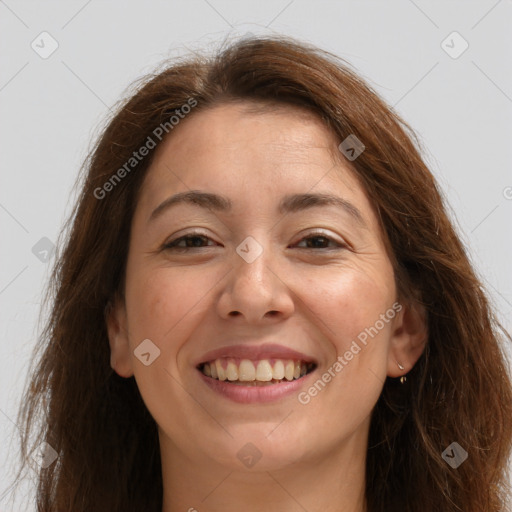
(403, 378)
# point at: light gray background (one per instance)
(50, 108)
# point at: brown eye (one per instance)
(191, 241)
(321, 241)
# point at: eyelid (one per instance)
(194, 232)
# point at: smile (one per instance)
(263, 372)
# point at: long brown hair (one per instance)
(459, 390)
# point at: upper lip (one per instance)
(255, 352)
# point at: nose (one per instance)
(256, 292)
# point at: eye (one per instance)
(199, 241)
(187, 242)
(320, 241)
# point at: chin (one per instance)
(258, 448)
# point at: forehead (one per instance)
(249, 145)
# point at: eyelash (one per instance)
(172, 246)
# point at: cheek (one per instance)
(355, 312)
(164, 305)
(162, 301)
(349, 300)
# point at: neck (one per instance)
(332, 482)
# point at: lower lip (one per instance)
(255, 394)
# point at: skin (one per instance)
(315, 300)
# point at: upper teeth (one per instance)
(263, 370)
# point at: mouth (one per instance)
(262, 372)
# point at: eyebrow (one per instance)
(289, 204)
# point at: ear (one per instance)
(409, 339)
(120, 352)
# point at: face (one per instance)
(283, 278)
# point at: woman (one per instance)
(263, 305)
